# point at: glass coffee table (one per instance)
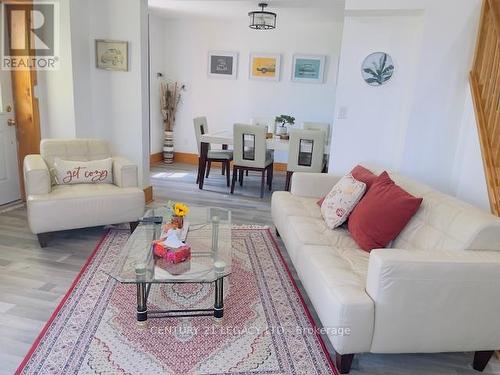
(208, 234)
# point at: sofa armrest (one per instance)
(36, 175)
(312, 185)
(432, 301)
(124, 173)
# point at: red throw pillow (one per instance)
(361, 174)
(382, 214)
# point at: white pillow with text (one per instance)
(68, 172)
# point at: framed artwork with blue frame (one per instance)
(308, 68)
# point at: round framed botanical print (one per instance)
(377, 68)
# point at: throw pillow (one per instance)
(382, 214)
(341, 200)
(68, 172)
(360, 173)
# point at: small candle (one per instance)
(219, 266)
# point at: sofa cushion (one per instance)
(313, 231)
(293, 205)
(73, 149)
(84, 205)
(341, 200)
(382, 214)
(335, 281)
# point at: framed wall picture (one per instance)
(111, 54)
(308, 68)
(265, 66)
(222, 64)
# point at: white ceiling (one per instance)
(290, 10)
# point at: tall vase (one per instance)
(168, 147)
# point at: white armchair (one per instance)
(54, 207)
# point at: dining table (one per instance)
(225, 138)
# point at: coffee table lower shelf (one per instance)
(142, 305)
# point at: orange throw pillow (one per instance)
(382, 214)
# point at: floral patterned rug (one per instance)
(266, 327)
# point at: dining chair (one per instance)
(323, 126)
(220, 156)
(306, 150)
(267, 122)
(251, 154)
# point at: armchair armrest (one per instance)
(124, 173)
(36, 175)
(312, 185)
(432, 301)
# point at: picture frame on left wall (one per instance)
(111, 54)
(222, 64)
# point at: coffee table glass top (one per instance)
(209, 235)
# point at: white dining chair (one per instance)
(251, 154)
(323, 126)
(266, 122)
(220, 156)
(306, 150)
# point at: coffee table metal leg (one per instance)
(219, 298)
(142, 309)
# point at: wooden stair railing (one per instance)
(485, 86)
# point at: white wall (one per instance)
(83, 63)
(374, 128)
(226, 102)
(158, 45)
(55, 88)
(469, 177)
(113, 105)
(436, 114)
(82, 101)
(414, 124)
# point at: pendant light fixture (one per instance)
(261, 19)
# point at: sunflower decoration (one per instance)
(180, 209)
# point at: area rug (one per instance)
(266, 329)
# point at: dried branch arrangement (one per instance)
(170, 96)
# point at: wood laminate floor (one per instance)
(33, 280)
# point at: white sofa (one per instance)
(437, 289)
(54, 207)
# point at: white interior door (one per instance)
(9, 173)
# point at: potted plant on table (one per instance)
(282, 122)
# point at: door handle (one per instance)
(11, 122)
